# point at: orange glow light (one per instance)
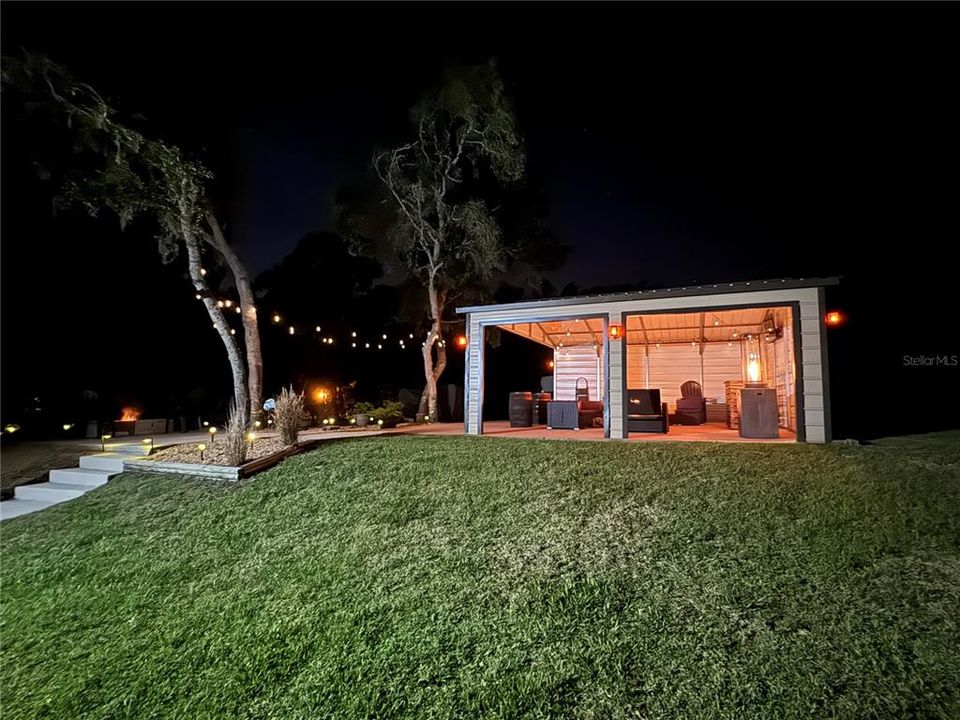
(616, 332)
(833, 318)
(550, 364)
(461, 341)
(322, 395)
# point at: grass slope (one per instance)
(476, 577)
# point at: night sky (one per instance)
(675, 144)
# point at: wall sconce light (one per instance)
(616, 332)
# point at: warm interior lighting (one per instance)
(550, 364)
(322, 395)
(129, 414)
(616, 332)
(461, 341)
(833, 318)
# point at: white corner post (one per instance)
(616, 362)
(473, 380)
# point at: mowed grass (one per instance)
(479, 577)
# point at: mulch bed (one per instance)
(214, 454)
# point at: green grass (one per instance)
(479, 577)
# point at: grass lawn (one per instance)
(480, 577)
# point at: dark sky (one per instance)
(675, 143)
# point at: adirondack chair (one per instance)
(691, 407)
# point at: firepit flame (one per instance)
(130, 414)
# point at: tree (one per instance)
(464, 137)
(118, 168)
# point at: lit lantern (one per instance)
(201, 447)
(833, 318)
(461, 341)
(616, 332)
(213, 431)
(550, 364)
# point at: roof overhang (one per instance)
(690, 290)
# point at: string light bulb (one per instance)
(276, 318)
(203, 271)
(290, 330)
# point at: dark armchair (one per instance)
(691, 407)
(587, 410)
(645, 412)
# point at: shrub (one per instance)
(363, 408)
(287, 415)
(390, 413)
(234, 438)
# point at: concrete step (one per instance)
(111, 462)
(81, 477)
(48, 491)
(17, 507)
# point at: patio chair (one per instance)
(691, 407)
(645, 412)
(588, 411)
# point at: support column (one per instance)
(473, 379)
(616, 360)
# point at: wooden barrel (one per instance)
(539, 414)
(521, 404)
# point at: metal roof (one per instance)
(714, 289)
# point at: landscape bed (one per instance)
(445, 577)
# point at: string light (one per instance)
(232, 331)
(219, 303)
(353, 334)
(290, 330)
(228, 303)
(276, 318)
(199, 296)
(379, 347)
(318, 328)
(203, 271)
(384, 336)
(353, 344)
(366, 345)
(238, 309)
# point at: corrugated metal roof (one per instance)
(716, 288)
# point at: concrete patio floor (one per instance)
(709, 432)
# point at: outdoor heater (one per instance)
(759, 417)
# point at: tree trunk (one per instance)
(433, 369)
(240, 397)
(248, 314)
